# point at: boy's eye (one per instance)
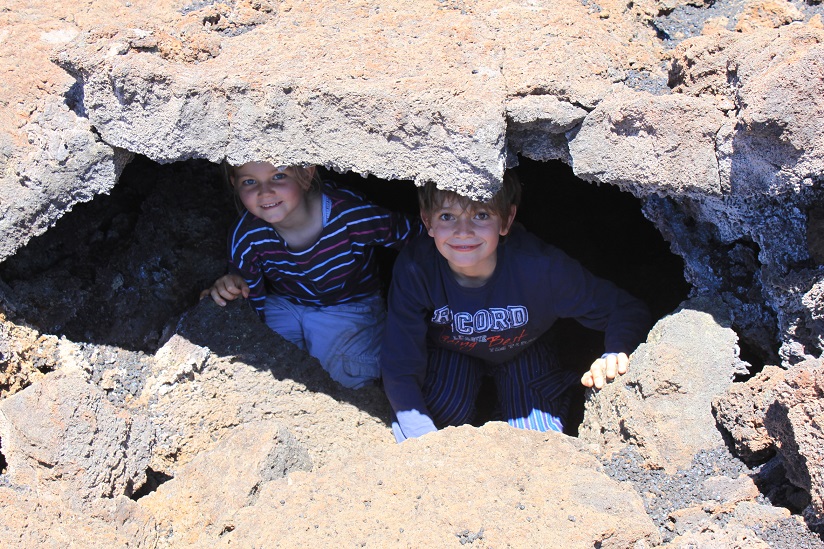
(445, 216)
(482, 216)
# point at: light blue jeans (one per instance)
(345, 338)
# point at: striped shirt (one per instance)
(339, 267)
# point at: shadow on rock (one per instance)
(236, 333)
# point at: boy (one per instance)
(473, 301)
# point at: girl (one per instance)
(302, 253)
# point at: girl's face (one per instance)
(270, 193)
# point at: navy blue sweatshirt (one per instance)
(533, 285)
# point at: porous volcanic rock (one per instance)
(431, 492)
(795, 422)
(33, 519)
(709, 113)
(62, 436)
(207, 491)
(663, 405)
(741, 410)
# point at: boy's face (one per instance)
(268, 192)
(468, 238)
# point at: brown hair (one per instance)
(431, 198)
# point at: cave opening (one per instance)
(154, 479)
(121, 269)
(115, 270)
(600, 226)
(603, 228)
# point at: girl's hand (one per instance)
(227, 288)
(606, 368)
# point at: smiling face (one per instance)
(468, 238)
(271, 193)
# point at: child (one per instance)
(302, 253)
(473, 300)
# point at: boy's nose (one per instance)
(464, 226)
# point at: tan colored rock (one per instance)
(320, 95)
(48, 154)
(749, 512)
(767, 13)
(208, 490)
(690, 520)
(495, 486)
(795, 422)
(62, 436)
(740, 411)
(770, 76)
(730, 491)
(715, 25)
(642, 143)
(195, 396)
(567, 50)
(23, 350)
(662, 405)
(41, 520)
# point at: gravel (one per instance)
(664, 493)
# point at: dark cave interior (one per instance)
(121, 269)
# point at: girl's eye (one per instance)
(248, 182)
(278, 176)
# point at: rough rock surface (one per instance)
(795, 422)
(433, 495)
(63, 436)
(636, 140)
(32, 519)
(663, 404)
(766, 154)
(708, 112)
(26, 355)
(248, 374)
(741, 410)
(207, 491)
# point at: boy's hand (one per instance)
(227, 288)
(604, 369)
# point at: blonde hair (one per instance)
(431, 198)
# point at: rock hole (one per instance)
(603, 228)
(74, 99)
(153, 481)
(139, 256)
(3, 463)
(600, 226)
(117, 269)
